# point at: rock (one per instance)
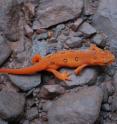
(109, 122)
(76, 24)
(58, 30)
(39, 47)
(106, 20)
(51, 91)
(4, 7)
(74, 42)
(87, 29)
(108, 90)
(5, 52)
(87, 77)
(28, 31)
(32, 113)
(113, 117)
(114, 103)
(42, 36)
(26, 122)
(11, 104)
(100, 40)
(90, 7)
(3, 122)
(62, 38)
(47, 105)
(53, 12)
(106, 107)
(26, 82)
(115, 81)
(30, 7)
(77, 108)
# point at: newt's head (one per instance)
(102, 57)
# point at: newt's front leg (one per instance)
(80, 68)
(36, 58)
(62, 76)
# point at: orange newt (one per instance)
(68, 58)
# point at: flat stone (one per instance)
(32, 113)
(3, 122)
(5, 52)
(114, 103)
(100, 39)
(105, 20)
(25, 82)
(74, 42)
(90, 6)
(87, 29)
(80, 107)
(106, 107)
(87, 77)
(51, 91)
(39, 47)
(76, 24)
(53, 12)
(115, 81)
(11, 104)
(28, 31)
(59, 29)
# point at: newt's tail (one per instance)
(26, 70)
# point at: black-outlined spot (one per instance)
(65, 60)
(52, 63)
(76, 58)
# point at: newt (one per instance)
(78, 59)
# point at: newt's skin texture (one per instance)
(70, 58)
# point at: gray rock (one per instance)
(53, 12)
(32, 113)
(74, 42)
(87, 76)
(26, 122)
(106, 20)
(5, 52)
(76, 24)
(3, 122)
(109, 122)
(90, 7)
(39, 47)
(58, 30)
(62, 38)
(115, 81)
(51, 91)
(47, 105)
(28, 31)
(87, 29)
(77, 108)
(42, 36)
(114, 103)
(26, 82)
(106, 107)
(4, 5)
(113, 116)
(11, 104)
(100, 39)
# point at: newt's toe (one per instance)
(65, 76)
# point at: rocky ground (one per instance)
(28, 27)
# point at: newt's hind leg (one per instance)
(80, 68)
(60, 75)
(36, 58)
